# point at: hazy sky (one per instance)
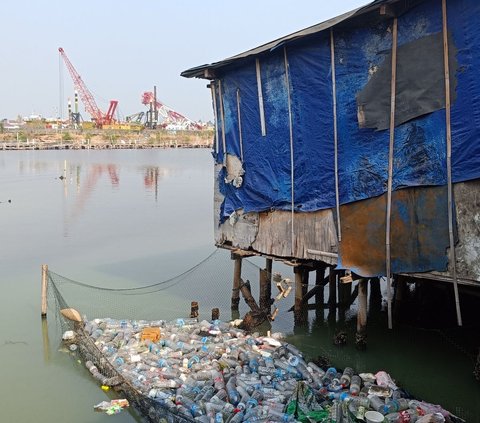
(122, 48)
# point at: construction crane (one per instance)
(169, 117)
(86, 96)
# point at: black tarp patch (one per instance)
(420, 87)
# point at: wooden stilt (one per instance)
(375, 295)
(247, 295)
(237, 275)
(301, 314)
(194, 309)
(319, 282)
(215, 313)
(400, 294)
(265, 299)
(44, 289)
(332, 287)
(361, 335)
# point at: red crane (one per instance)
(168, 115)
(86, 96)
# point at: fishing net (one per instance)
(209, 283)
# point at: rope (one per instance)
(139, 287)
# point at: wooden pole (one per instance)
(44, 289)
(452, 258)
(292, 162)
(222, 117)
(237, 276)
(215, 313)
(239, 117)
(335, 134)
(319, 282)
(301, 311)
(45, 340)
(194, 309)
(393, 94)
(266, 287)
(361, 335)
(215, 115)
(332, 288)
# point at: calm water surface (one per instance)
(131, 218)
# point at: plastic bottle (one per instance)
(328, 376)
(392, 405)
(190, 405)
(232, 392)
(254, 399)
(237, 418)
(355, 384)
(346, 377)
(377, 403)
(283, 417)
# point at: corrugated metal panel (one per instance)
(419, 238)
(199, 71)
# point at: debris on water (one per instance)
(216, 372)
(111, 407)
(340, 338)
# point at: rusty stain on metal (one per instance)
(419, 234)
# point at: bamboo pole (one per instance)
(292, 164)
(452, 258)
(44, 289)
(390, 170)
(335, 133)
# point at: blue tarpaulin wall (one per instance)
(420, 144)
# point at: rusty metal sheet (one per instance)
(419, 232)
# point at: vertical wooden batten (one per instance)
(335, 133)
(292, 165)
(452, 258)
(393, 94)
(239, 117)
(222, 116)
(260, 98)
(215, 115)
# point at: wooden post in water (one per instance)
(361, 335)
(44, 289)
(46, 342)
(237, 275)
(301, 309)
(264, 299)
(194, 309)
(319, 282)
(215, 313)
(332, 287)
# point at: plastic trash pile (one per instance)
(215, 372)
(112, 407)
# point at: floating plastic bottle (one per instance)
(355, 385)
(346, 377)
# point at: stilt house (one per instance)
(356, 142)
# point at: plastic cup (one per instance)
(374, 417)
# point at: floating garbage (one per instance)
(213, 372)
(111, 407)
